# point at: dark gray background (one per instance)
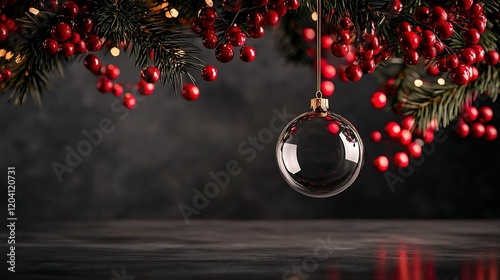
(167, 146)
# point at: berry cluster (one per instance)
(472, 121)
(436, 25)
(411, 140)
(6, 25)
(109, 73)
(71, 34)
(362, 55)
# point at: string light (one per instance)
(114, 51)
(174, 13)
(418, 83)
(3, 52)
(441, 81)
(314, 16)
(9, 55)
(34, 11)
(209, 3)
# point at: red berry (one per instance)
(452, 61)
(328, 71)
(473, 72)
(405, 137)
(378, 100)
(439, 15)
(5, 74)
(145, 88)
(407, 122)
(476, 9)
(117, 89)
(210, 40)
(67, 49)
(112, 71)
(439, 47)
(409, 40)
(92, 63)
(445, 30)
(346, 23)
(190, 92)
(80, 47)
(392, 129)
(353, 73)
(401, 160)
(428, 38)
(394, 7)
(292, 4)
(93, 43)
(208, 14)
(129, 100)
(478, 23)
(464, 5)
(490, 133)
(470, 114)
(85, 25)
(432, 70)
(381, 163)
(104, 85)
(209, 73)
(238, 39)
(485, 114)
(327, 88)
(479, 50)
(150, 74)
(367, 66)
(344, 37)
(429, 53)
(247, 54)
(256, 32)
(462, 129)
(376, 136)
(423, 14)
(69, 9)
(4, 32)
(50, 46)
(75, 37)
(61, 32)
(414, 150)
(339, 50)
(224, 53)
(428, 136)
(492, 57)
(370, 42)
(411, 57)
(471, 36)
(271, 18)
(478, 130)
(460, 75)
(261, 2)
(326, 42)
(255, 18)
(403, 27)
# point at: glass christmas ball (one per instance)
(320, 153)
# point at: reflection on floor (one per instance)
(283, 249)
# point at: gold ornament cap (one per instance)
(319, 104)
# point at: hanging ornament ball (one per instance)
(319, 153)
(190, 92)
(150, 74)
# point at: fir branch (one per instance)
(134, 22)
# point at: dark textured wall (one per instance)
(158, 152)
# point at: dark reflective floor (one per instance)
(330, 250)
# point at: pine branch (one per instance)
(134, 22)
